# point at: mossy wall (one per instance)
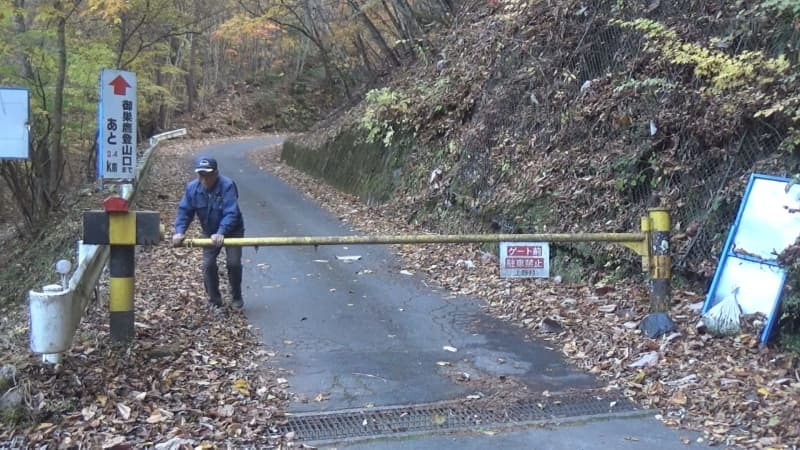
(370, 171)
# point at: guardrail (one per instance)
(57, 310)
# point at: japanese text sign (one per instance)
(524, 259)
(116, 146)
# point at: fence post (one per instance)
(661, 264)
(122, 268)
(122, 230)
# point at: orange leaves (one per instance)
(243, 27)
(109, 9)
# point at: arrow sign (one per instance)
(116, 114)
(120, 85)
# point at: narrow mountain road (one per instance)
(373, 352)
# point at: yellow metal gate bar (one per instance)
(652, 244)
(623, 238)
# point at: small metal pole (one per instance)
(661, 265)
(126, 190)
(51, 358)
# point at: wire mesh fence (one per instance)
(706, 192)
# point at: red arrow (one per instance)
(120, 85)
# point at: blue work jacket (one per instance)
(217, 208)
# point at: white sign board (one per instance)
(14, 120)
(116, 145)
(524, 259)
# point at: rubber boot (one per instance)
(235, 280)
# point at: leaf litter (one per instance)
(189, 379)
(196, 380)
(732, 390)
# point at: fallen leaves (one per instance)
(190, 379)
(735, 392)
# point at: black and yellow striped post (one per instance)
(122, 230)
(661, 260)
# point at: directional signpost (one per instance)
(116, 225)
(116, 144)
(14, 111)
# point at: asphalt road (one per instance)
(358, 334)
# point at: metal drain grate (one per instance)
(452, 416)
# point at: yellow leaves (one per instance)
(678, 398)
(438, 419)
(242, 27)
(787, 106)
(242, 387)
(762, 391)
(723, 71)
(110, 10)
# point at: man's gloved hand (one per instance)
(177, 239)
(217, 239)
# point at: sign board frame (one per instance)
(524, 260)
(117, 126)
(15, 112)
(748, 267)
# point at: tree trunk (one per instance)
(28, 180)
(20, 28)
(376, 35)
(362, 49)
(191, 75)
(56, 160)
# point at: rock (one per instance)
(8, 377)
(11, 406)
(657, 324)
(174, 444)
(550, 326)
(10, 400)
(487, 258)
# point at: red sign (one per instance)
(524, 263)
(120, 85)
(524, 259)
(524, 250)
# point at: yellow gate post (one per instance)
(661, 265)
(122, 230)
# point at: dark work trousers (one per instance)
(233, 262)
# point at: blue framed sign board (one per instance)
(14, 122)
(765, 225)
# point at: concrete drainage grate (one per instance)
(452, 416)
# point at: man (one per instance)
(214, 198)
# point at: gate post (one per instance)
(661, 260)
(122, 230)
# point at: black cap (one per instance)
(205, 164)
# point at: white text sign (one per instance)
(524, 259)
(116, 146)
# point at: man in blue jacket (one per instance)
(214, 198)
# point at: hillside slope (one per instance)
(552, 116)
(558, 116)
